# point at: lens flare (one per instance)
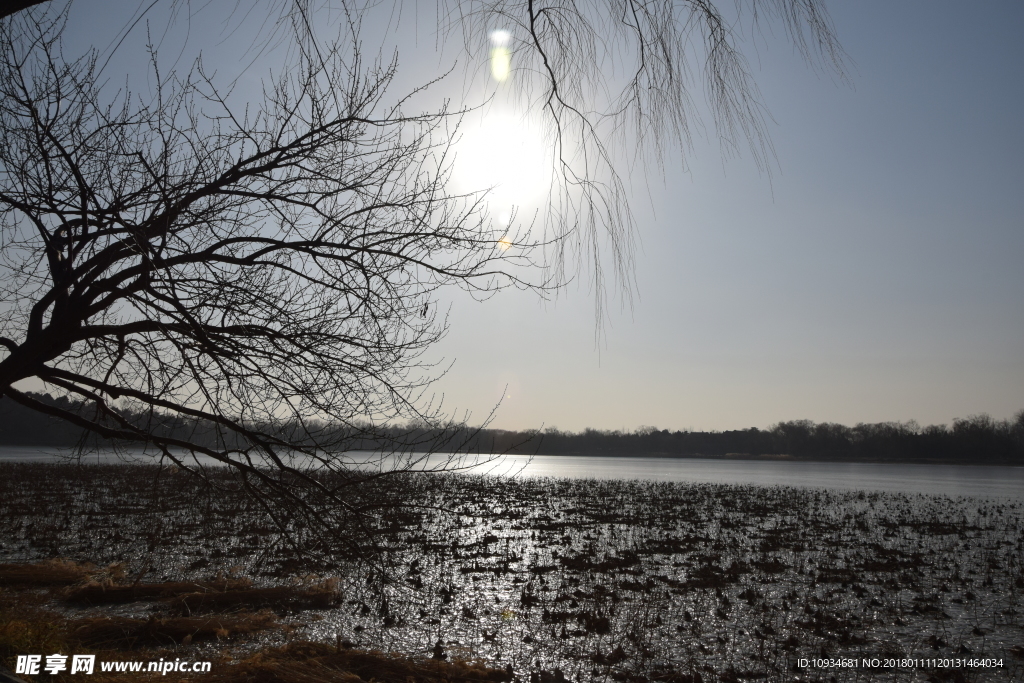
(501, 55)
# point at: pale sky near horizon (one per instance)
(876, 276)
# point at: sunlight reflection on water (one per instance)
(951, 480)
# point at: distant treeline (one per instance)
(21, 426)
(977, 439)
(974, 440)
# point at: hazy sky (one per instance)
(877, 275)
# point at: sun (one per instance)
(504, 154)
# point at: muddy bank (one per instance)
(582, 580)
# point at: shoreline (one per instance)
(658, 455)
(781, 457)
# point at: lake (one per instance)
(951, 480)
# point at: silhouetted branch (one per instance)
(268, 274)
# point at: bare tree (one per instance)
(255, 285)
(251, 286)
(620, 84)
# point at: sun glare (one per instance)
(504, 154)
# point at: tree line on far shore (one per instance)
(978, 439)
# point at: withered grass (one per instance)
(26, 625)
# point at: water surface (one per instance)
(951, 480)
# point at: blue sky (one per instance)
(875, 275)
